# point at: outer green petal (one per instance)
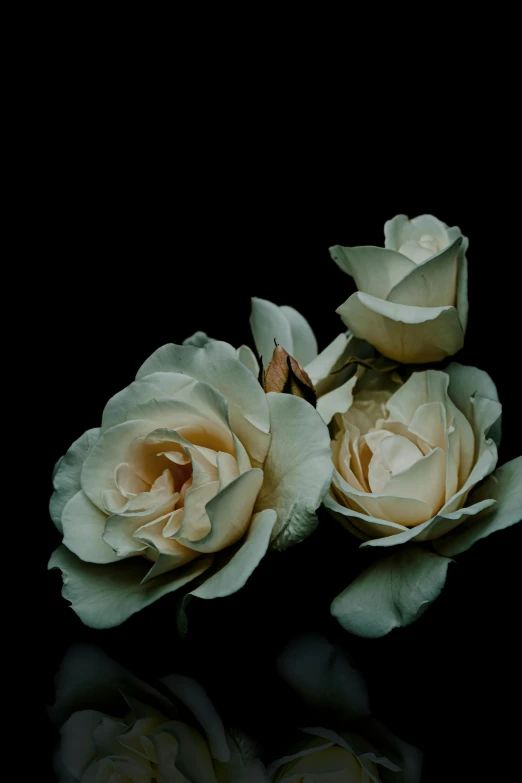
(305, 344)
(433, 528)
(157, 386)
(83, 528)
(232, 576)
(247, 357)
(466, 383)
(391, 593)
(462, 281)
(322, 365)
(269, 326)
(338, 400)
(104, 596)
(504, 486)
(432, 283)
(375, 270)
(298, 468)
(68, 469)
(402, 332)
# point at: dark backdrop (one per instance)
(139, 257)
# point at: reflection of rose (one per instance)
(407, 465)
(359, 749)
(412, 300)
(115, 728)
(191, 459)
(327, 757)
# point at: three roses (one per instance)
(198, 468)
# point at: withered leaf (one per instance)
(285, 375)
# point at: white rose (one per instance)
(408, 467)
(191, 459)
(412, 302)
(115, 728)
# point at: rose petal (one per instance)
(432, 283)
(67, 475)
(83, 529)
(270, 327)
(104, 596)
(217, 364)
(228, 469)
(305, 344)
(399, 453)
(391, 593)
(462, 284)
(402, 332)
(157, 386)
(424, 480)
(465, 383)
(247, 357)
(505, 487)
(298, 468)
(403, 510)
(375, 270)
(400, 229)
(110, 450)
(232, 576)
(336, 401)
(120, 529)
(420, 389)
(363, 525)
(229, 512)
(196, 523)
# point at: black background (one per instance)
(146, 248)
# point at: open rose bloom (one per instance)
(410, 466)
(193, 473)
(412, 302)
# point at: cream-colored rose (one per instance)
(192, 459)
(412, 300)
(115, 728)
(408, 467)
